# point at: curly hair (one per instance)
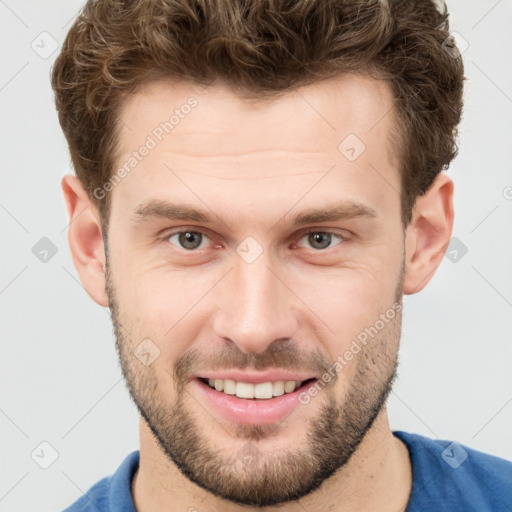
(261, 48)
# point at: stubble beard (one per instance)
(253, 476)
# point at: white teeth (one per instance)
(278, 388)
(229, 387)
(289, 386)
(262, 390)
(244, 390)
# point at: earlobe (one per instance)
(85, 239)
(428, 234)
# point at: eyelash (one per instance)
(302, 235)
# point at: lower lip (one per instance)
(251, 411)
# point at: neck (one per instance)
(378, 477)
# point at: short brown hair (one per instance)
(264, 47)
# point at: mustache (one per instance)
(280, 355)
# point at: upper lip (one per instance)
(255, 377)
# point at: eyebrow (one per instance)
(155, 208)
(167, 210)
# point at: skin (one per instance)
(252, 165)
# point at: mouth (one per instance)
(251, 403)
(260, 391)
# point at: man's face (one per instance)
(251, 288)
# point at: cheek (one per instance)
(349, 299)
(167, 307)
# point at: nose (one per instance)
(255, 306)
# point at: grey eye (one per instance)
(321, 239)
(189, 240)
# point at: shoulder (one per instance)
(453, 475)
(111, 493)
(95, 499)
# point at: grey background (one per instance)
(60, 380)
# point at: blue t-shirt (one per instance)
(447, 476)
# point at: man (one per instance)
(257, 185)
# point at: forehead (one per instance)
(328, 109)
(219, 141)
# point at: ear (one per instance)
(85, 239)
(428, 234)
